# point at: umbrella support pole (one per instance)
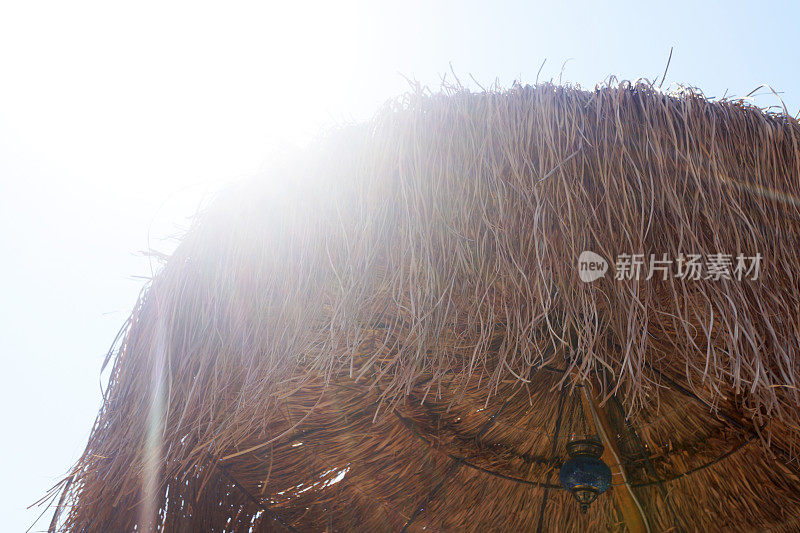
(632, 511)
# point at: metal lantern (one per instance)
(584, 474)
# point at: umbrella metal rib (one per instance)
(456, 463)
(561, 397)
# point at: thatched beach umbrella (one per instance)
(394, 331)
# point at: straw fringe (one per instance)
(427, 260)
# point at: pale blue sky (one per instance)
(116, 119)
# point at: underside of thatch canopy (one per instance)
(389, 331)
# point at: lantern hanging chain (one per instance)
(583, 418)
(570, 417)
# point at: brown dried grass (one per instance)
(422, 268)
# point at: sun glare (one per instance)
(144, 112)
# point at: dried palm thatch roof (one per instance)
(390, 333)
